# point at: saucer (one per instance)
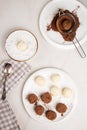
(21, 45)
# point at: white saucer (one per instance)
(14, 38)
(30, 86)
(49, 12)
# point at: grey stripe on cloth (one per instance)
(7, 118)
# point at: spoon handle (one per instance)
(4, 88)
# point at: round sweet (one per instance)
(66, 92)
(55, 77)
(61, 108)
(67, 25)
(64, 23)
(21, 45)
(51, 115)
(55, 91)
(39, 109)
(46, 97)
(32, 98)
(40, 80)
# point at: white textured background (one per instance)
(16, 14)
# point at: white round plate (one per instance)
(31, 87)
(14, 38)
(49, 12)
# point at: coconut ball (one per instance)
(40, 80)
(22, 46)
(54, 90)
(66, 92)
(55, 78)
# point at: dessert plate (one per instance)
(21, 45)
(31, 86)
(49, 12)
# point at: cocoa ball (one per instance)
(61, 108)
(39, 109)
(51, 115)
(32, 98)
(46, 97)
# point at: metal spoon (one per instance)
(7, 71)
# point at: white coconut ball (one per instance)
(67, 92)
(55, 78)
(40, 80)
(22, 46)
(55, 91)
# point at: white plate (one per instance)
(49, 12)
(31, 87)
(14, 38)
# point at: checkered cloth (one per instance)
(7, 118)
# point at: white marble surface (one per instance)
(15, 14)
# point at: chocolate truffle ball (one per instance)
(51, 115)
(32, 98)
(61, 108)
(46, 97)
(39, 109)
(64, 23)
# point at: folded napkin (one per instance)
(7, 118)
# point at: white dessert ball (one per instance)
(40, 80)
(55, 77)
(22, 46)
(55, 91)
(67, 92)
